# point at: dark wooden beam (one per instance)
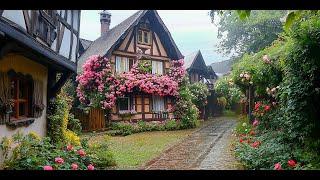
(27, 21)
(25, 40)
(156, 42)
(56, 87)
(129, 42)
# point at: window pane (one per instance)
(22, 90)
(22, 109)
(158, 103)
(146, 37)
(140, 36)
(157, 67)
(13, 89)
(118, 64)
(123, 104)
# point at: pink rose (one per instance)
(47, 168)
(74, 166)
(69, 147)
(277, 166)
(90, 167)
(81, 152)
(292, 163)
(255, 122)
(59, 160)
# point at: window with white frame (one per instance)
(157, 103)
(157, 67)
(122, 64)
(124, 103)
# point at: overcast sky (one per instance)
(191, 29)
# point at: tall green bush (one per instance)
(184, 109)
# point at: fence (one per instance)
(92, 121)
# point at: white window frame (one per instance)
(119, 68)
(157, 67)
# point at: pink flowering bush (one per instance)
(28, 152)
(98, 87)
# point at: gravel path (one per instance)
(208, 148)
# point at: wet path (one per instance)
(207, 148)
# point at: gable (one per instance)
(199, 63)
(112, 40)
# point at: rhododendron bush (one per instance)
(99, 87)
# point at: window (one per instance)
(144, 37)
(21, 94)
(124, 103)
(157, 103)
(122, 64)
(157, 67)
(46, 26)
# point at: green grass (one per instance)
(229, 113)
(131, 152)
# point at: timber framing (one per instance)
(26, 39)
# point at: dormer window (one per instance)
(144, 37)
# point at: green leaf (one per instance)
(289, 20)
(243, 14)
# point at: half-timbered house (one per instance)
(198, 71)
(142, 36)
(38, 53)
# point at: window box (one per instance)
(19, 123)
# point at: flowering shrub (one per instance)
(58, 117)
(30, 153)
(98, 87)
(127, 128)
(200, 93)
(162, 85)
(184, 109)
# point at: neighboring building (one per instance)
(83, 45)
(199, 72)
(36, 47)
(222, 68)
(143, 34)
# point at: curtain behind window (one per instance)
(122, 64)
(38, 98)
(157, 67)
(4, 95)
(158, 103)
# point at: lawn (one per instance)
(131, 152)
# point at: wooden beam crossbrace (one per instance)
(56, 87)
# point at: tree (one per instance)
(253, 31)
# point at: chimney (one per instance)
(105, 19)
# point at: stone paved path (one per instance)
(208, 148)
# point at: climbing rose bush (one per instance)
(162, 85)
(98, 87)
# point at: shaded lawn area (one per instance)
(133, 151)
